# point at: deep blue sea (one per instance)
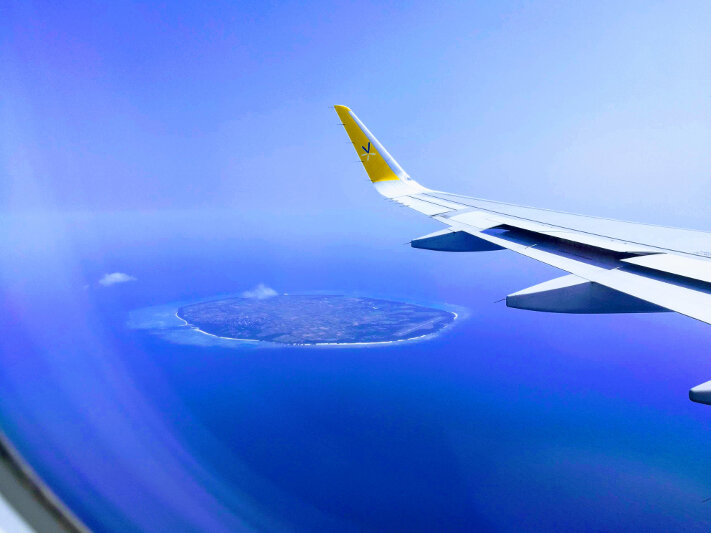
(507, 421)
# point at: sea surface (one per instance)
(506, 421)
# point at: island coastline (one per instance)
(438, 320)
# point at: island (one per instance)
(314, 319)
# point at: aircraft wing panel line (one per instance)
(440, 201)
(423, 206)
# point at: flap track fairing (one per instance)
(572, 294)
(449, 240)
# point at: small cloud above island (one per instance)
(115, 277)
(260, 292)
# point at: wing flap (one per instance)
(679, 265)
(597, 241)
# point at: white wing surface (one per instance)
(612, 266)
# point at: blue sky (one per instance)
(591, 107)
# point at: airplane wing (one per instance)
(612, 266)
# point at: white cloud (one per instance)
(260, 292)
(114, 278)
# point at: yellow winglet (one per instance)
(378, 163)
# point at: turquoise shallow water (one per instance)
(164, 321)
(506, 421)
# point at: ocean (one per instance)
(507, 421)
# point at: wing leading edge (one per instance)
(613, 266)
